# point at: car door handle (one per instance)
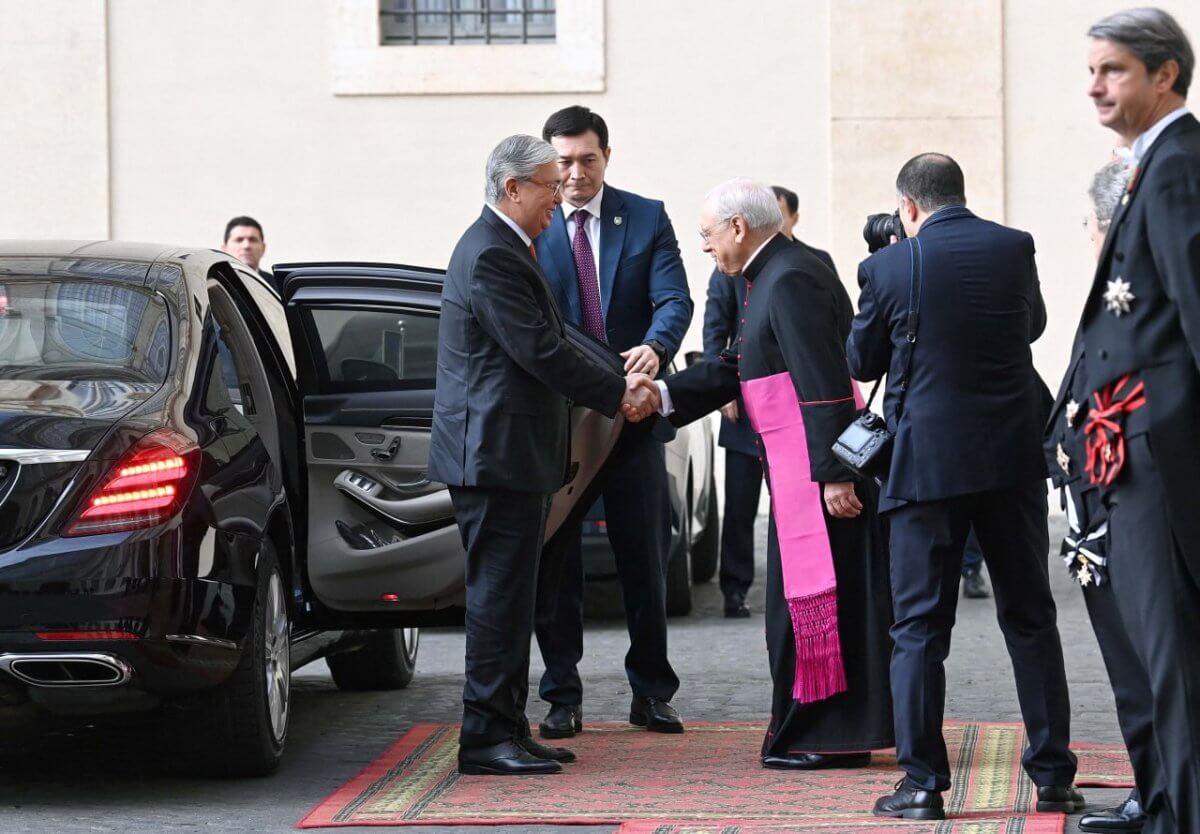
(413, 516)
(383, 455)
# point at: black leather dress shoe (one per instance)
(817, 761)
(1128, 816)
(974, 585)
(562, 721)
(655, 715)
(545, 751)
(1064, 798)
(910, 802)
(508, 758)
(735, 607)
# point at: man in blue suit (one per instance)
(949, 315)
(613, 264)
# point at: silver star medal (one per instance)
(1063, 459)
(1085, 575)
(1118, 298)
(1072, 412)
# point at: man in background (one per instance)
(613, 264)
(245, 241)
(789, 206)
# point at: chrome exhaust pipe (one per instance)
(61, 670)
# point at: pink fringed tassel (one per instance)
(819, 670)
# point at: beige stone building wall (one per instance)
(152, 120)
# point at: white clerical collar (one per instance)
(761, 247)
(512, 224)
(592, 206)
(1143, 142)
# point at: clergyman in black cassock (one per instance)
(790, 367)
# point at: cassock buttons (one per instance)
(1064, 460)
(1118, 298)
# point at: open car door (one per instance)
(382, 545)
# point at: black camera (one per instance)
(880, 230)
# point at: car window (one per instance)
(374, 350)
(82, 330)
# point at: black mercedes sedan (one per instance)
(204, 486)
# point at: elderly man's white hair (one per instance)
(754, 202)
(517, 157)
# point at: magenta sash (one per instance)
(809, 583)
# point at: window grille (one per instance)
(420, 22)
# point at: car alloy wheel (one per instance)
(277, 657)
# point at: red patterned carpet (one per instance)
(710, 775)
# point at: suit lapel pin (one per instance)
(1072, 412)
(1118, 298)
(617, 220)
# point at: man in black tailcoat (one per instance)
(1136, 394)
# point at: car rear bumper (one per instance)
(168, 636)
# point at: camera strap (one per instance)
(915, 287)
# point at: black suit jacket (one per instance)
(1153, 245)
(971, 419)
(505, 370)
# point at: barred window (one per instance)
(416, 22)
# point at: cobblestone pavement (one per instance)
(119, 776)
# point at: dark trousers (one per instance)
(927, 539)
(1158, 604)
(1131, 691)
(638, 514)
(502, 533)
(743, 484)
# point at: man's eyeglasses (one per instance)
(553, 187)
(705, 234)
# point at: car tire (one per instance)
(706, 553)
(679, 578)
(387, 661)
(241, 730)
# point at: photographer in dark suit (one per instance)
(500, 441)
(967, 409)
(1134, 388)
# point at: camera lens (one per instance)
(880, 229)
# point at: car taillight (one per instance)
(145, 487)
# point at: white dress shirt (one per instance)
(1142, 144)
(512, 224)
(592, 227)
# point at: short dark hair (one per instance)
(1154, 37)
(576, 120)
(932, 180)
(243, 221)
(788, 196)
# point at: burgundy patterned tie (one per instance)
(589, 285)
